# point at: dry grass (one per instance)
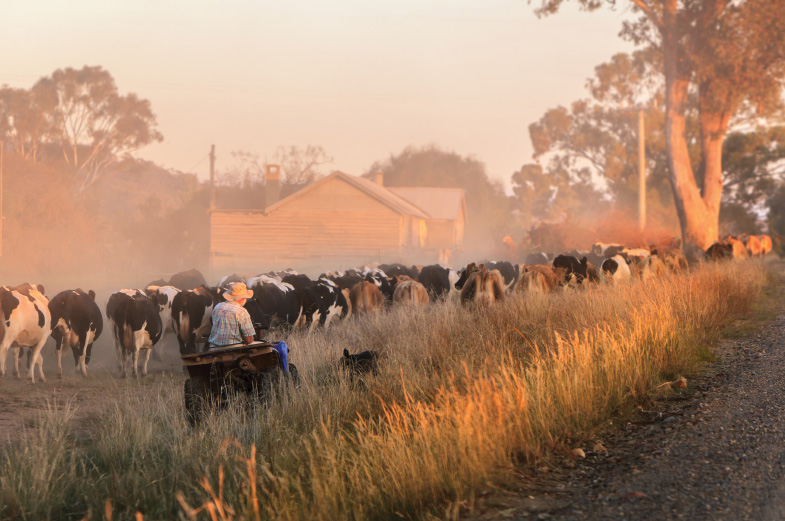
(464, 395)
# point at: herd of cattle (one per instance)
(182, 306)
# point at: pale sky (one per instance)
(362, 79)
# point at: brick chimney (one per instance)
(272, 185)
(379, 178)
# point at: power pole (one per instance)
(641, 171)
(212, 177)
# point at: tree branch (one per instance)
(649, 12)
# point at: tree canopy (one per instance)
(80, 113)
(730, 57)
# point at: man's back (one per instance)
(231, 324)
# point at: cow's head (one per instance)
(465, 273)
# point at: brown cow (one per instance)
(540, 278)
(765, 244)
(752, 242)
(411, 293)
(483, 286)
(739, 250)
(675, 261)
(366, 297)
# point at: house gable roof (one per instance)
(439, 203)
(380, 193)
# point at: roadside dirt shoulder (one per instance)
(716, 451)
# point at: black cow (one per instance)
(720, 251)
(192, 316)
(226, 282)
(533, 259)
(137, 326)
(397, 269)
(439, 281)
(186, 280)
(572, 267)
(76, 323)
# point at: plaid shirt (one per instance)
(231, 323)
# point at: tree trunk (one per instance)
(713, 128)
(699, 224)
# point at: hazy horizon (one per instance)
(363, 81)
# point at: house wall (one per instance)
(441, 234)
(332, 221)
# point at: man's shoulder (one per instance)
(226, 305)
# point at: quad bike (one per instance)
(219, 373)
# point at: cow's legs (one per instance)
(145, 360)
(85, 339)
(3, 354)
(17, 352)
(123, 362)
(36, 355)
(59, 351)
(135, 363)
(118, 350)
(39, 361)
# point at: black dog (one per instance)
(361, 363)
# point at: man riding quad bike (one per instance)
(234, 361)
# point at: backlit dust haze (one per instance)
(361, 79)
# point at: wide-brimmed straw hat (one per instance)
(238, 291)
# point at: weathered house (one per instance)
(337, 221)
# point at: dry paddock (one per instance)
(463, 397)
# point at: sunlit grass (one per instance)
(463, 396)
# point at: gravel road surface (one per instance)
(715, 451)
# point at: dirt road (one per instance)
(714, 451)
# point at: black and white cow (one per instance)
(25, 321)
(307, 298)
(111, 305)
(344, 280)
(439, 281)
(334, 302)
(616, 269)
(279, 306)
(574, 269)
(137, 326)
(385, 283)
(76, 323)
(608, 250)
(192, 312)
(164, 297)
